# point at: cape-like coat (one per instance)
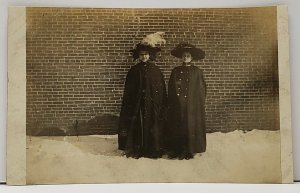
(141, 121)
(186, 113)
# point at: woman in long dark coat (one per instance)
(141, 118)
(186, 133)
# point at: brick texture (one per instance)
(77, 60)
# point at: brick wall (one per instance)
(77, 60)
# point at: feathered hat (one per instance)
(182, 47)
(149, 43)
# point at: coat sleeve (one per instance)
(126, 108)
(172, 101)
(200, 119)
(202, 83)
(164, 98)
(171, 89)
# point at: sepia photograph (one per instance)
(117, 95)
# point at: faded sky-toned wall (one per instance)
(77, 60)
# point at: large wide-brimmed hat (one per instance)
(144, 47)
(182, 47)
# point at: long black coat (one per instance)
(186, 115)
(141, 119)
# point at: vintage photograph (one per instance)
(152, 95)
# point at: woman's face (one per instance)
(187, 57)
(144, 56)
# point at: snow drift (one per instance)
(252, 157)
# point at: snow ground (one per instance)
(252, 157)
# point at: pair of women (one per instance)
(151, 123)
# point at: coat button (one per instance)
(178, 94)
(181, 72)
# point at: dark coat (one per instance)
(186, 113)
(141, 118)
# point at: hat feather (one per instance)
(154, 39)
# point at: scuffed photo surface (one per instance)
(76, 65)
